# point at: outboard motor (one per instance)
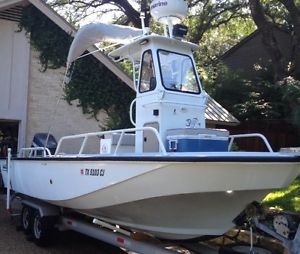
(39, 140)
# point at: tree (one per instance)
(269, 39)
(216, 41)
(82, 9)
(128, 10)
(208, 16)
(212, 14)
(294, 12)
(217, 25)
(267, 21)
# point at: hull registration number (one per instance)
(92, 172)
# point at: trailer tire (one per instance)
(42, 229)
(27, 219)
(245, 249)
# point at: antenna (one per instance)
(169, 13)
(143, 15)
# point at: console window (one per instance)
(147, 79)
(178, 72)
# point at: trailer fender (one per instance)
(44, 208)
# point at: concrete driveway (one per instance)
(16, 242)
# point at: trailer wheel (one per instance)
(27, 219)
(245, 249)
(42, 229)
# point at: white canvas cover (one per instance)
(90, 34)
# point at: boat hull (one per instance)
(180, 217)
(171, 199)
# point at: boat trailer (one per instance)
(282, 228)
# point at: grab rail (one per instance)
(130, 112)
(33, 152)
(85, 137)
(252, 135)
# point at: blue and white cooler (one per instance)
(197, 140)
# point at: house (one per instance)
(250, 53)
(30, 99)
(245, 57)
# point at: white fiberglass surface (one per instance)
(191, 154)
(234, 154)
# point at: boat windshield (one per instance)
(147, 79)
(178, 72)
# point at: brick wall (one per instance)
(45, 88)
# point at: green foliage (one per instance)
(255, 99)
(215, 42)
(45, 36)
(291, 96)
(127, 67)
(229, 89)
(210, 14)
(97, 89)
(287, 199)
(92, 84)
(277, 13)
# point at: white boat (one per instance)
(170, 176)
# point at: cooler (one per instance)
(197, 143)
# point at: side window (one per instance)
(147, 79)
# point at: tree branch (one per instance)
(294, 12)
(268, 38)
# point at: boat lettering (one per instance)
(192, 123)
(159, 4)
(93, 172)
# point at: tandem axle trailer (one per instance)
(42, 220)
